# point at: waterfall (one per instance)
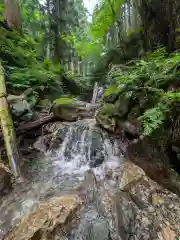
(97, 93)
(86, 146)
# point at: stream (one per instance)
(84, 147)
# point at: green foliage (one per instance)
(153, 84)
(19, 54)
(104, 17)
(90, 42)
(85, 47)
(34, 75)
(108, 110)
(113, 89)
(154, 117)
(1, 11)
(33, 20)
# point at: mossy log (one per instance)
(8, 128)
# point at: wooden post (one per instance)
(8, 128)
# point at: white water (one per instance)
(76, 152)
(97, 93)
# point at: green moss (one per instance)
(64, 101)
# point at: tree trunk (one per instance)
(12, 14)
(8, 128)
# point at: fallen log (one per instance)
(31, 125)
(25, 127)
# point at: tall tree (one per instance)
(12, 14)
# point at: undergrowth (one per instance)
(153, 83)
(24, 68)
(19, 55)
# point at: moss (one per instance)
(63, 101)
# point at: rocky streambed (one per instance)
(79, 185)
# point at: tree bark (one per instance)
(8, 128)
(12, 14)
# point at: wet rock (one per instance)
(91, 226)
(132, 129)
(55, 133)
(97, 158)
(72, 110)
(48, 220)
(139, 208)
(54, 126)
(92, 223)
(152, 158)
(5, 180)
(21, 109)
(42, 144)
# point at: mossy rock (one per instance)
(69, 109)
(105, 116)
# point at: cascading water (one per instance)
(85, 146)
(97, 93)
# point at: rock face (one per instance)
(5, 180)
(42, 144)
(139, 208)
(48, 220)
(72, 110)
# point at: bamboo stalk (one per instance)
(8, 128)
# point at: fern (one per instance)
(149, 82)
(153, 118)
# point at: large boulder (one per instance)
(68, 109)
(47, 220)
(138, 208)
